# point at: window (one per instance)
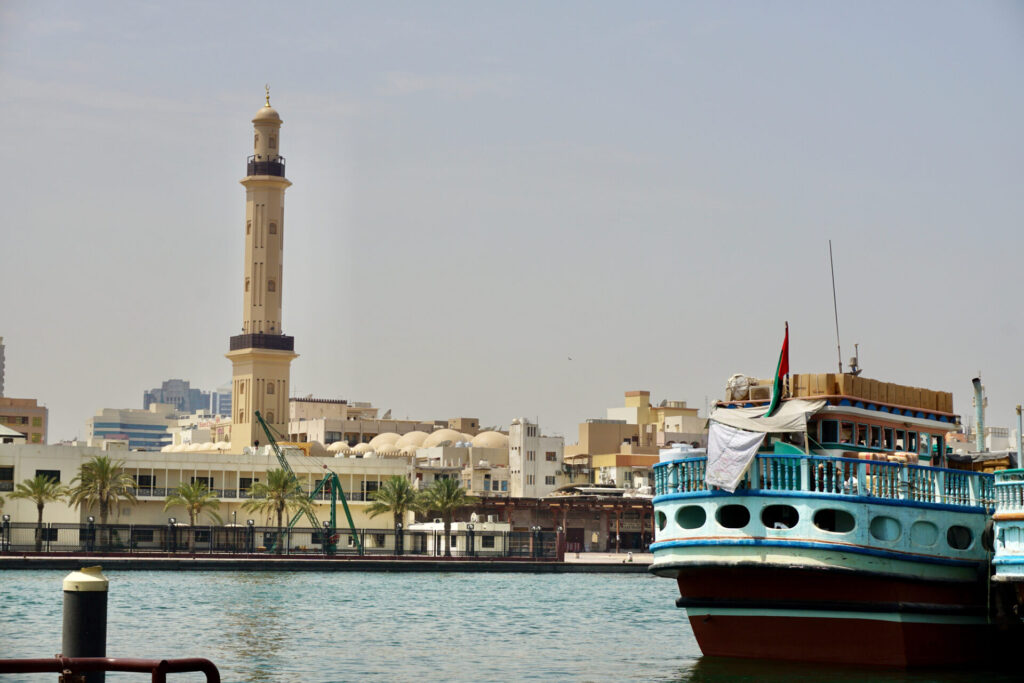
(204, 480)
(876, 437)
(487, 541)
(846, 432)
(53, 475)
(504, 486)
(37, 438)
(529, 479)
(256, 139)
(912, 441)
(273, 142)
(271, 286)
(248, 227)
(246, 482)
(531, 455)
(368, 488)
(549, 481)
(37, 422)
(143, 481)
(241, 416)
(270, 416)
(241, 387)
(829, 431)
(270, 387)
(887, 442)
(273, 228)
(862, 435)
(6, 474)
(901, 439)
(549, 456)
(247, 284)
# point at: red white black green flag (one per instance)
(780, 373)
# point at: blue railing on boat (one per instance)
(1009, 491)
(842, 477)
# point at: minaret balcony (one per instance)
(261, 167)
(275, 342)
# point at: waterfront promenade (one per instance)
(584, 563)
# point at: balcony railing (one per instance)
(275, 167)
(1009, 491)
(824, 475)
(274, 342)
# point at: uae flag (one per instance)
(780, 373)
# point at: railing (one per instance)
(275, 167)
(71, 668)
(1009, 491)
(238, 494)
(274, 342)
(244, 540)
(844, 477)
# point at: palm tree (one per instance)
(280, 492)
(445, 496)
(41, 490)
(102, 482)
(396, 496)
(195, 498)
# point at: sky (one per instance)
(515, 209)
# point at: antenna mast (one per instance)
(835, 307)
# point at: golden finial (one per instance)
(267, 88)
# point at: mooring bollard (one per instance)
(85, 617)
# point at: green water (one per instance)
(349, 626)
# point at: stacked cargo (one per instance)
(864, 389)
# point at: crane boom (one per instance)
(335, 488)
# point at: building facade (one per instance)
(180, 394)
(24, 415)
(143, 430)
(534, 460)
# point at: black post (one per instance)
(85, 617)
(398, 538)
(5, 534)
(252, 536)
(90, 535)
(469, 540)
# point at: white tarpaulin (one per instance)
(790, 417)
(730, 452)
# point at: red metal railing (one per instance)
(71, 667)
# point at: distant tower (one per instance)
(261, 356)
(1, 366)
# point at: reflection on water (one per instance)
(254, 633)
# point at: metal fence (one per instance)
(142, 539)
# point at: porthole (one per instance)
(661, 519)
(733, 516)
(959, 537)
(691, 517)
(836, 521)
(924, 534)
(885, 528)
(780, 517)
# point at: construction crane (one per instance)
(330, 480)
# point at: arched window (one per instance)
(273, 142)
(248, 227)
(271, 286)
(273, 228)
(247, 284)
(270, 387)
(270, 418)
(256, 139)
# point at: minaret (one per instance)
(261, 355)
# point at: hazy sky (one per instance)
(483, 191)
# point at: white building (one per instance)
(534, 461)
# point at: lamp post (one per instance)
(324, 539)
(252, 533)
(90, 534)
(469, 549)
(172, 542)
(5, 537)
(535, 541)
(398, 538)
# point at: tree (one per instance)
(280, 492)
(195, 498)
(445, 496)
(41, 490)
(396, 496)
(102, 482)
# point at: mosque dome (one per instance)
(267, 114)
(316, 449)
(490, 440)
(414, 438)
(384, 439)
(361, 448)
(442, 435)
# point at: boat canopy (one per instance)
(790, 417)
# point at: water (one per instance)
(345, 626)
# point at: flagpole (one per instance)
(789, 389)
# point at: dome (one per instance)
(336, 446)
(490, 440)
(194, 447)
(361, 448)
(414, 438)
(267, 114)
(384, 439)
(440, 436)
(208, 446)
(168, 448)
(223, 446)
(389, 451)
(316, 449)
(467, 437)
(409, 450)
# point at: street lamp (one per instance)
(323, 539)
(5, 536)
(469, 528)
(252, 534)
(398, 538)
(172, 542)
(90, 534)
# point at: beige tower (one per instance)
(261, 356)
